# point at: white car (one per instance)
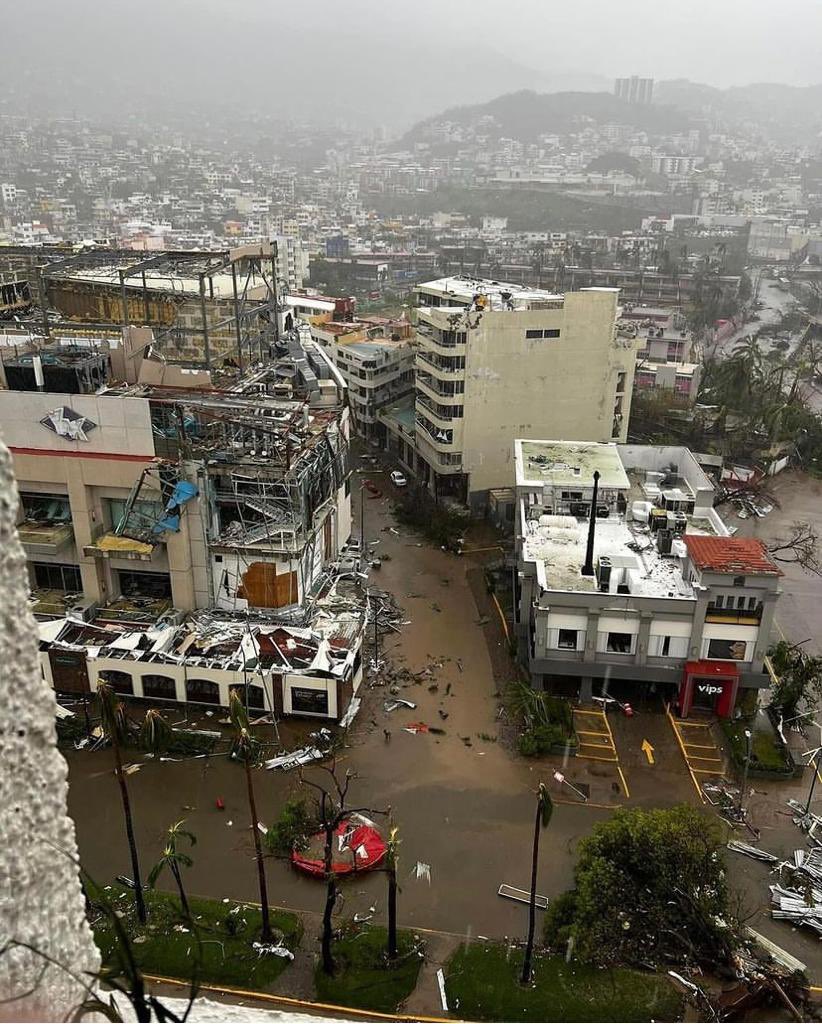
(398, 480)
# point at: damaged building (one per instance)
(150, 491)
(203, 307)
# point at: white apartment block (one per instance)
(496, 362)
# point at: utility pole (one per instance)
(743, 790)
(815, 765)
(206, 348)
(362, 520)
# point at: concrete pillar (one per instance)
(763, 638)
(586, 690)
(643, 638)
(590, 652)
(695, 645)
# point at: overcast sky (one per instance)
(389, 59)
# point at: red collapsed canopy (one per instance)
(358, 846)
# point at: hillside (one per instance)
(526, 115)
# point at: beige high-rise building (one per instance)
(497, 362)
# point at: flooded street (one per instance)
(463, 803)
(462, 800)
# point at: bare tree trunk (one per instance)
(178, 878)
(139, 897)
(330, 899)
(532, 905)
(392, 911)
(265, 934)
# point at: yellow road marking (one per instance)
(593, 757)
(619, 766)
(583, 711)
(590, 732)
(697, 787)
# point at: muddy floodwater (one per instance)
(462, 800)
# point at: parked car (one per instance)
(397, 479)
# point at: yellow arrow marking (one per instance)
(648, 751)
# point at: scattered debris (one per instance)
(271, 949)
(422, 871)
(752, 851)
(510, 892)
(285, 762)
(441, 985)
(397, 702)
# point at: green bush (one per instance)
(292, 829)
(541, 739)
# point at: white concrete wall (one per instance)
(563, 388)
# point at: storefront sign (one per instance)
(709, 688)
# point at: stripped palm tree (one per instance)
(114, 724)
(545, 808)
(244, 749)
(174, 860)
(155, 733)
(391, 864)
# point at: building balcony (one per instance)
(434, 412)
(441, 439)
(45, 538)
(429, 362)
(107, 544)
(733, 616)
(438, 390)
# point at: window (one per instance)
(51, 576)
(567, 639)
(538, 334)
(751, 604)
(144, 514)
(202, 691)
(251, 696)
(727, 650)
(665, 646)
(46, 507)
(309, 702)
(120, 682)
(739, 581)
(153, 585)
(619, 643)
(719, 601)
(621, 380)
(159, 687)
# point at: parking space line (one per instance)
(607, 743)
(679, 740)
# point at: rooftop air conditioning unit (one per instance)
(86, 611)
(664, 541)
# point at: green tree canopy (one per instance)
(650, 888)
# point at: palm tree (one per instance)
(545, 808)
(174, 860)
(155, 732)
(243, 749)
(114, 723)
(391, 864)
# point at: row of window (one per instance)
(67, 579)
(305, 700)
(659, 646)
(536, 334)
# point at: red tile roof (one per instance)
(738, 555)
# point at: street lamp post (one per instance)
(815, 765)
(743, 790)
(362, 519)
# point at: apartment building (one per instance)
(669, 357)
(376, 357)
(495, 362)
(628, 580)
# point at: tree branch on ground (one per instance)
(799, 547)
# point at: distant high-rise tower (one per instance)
(634, 89)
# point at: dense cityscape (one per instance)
(411, 533)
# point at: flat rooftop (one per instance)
(569, 463)
(499, 293)
(559, 548)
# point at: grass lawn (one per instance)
(363, 977)
(765, 750)
(164, 946)
(482, 983)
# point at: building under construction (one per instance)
(205, 308)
